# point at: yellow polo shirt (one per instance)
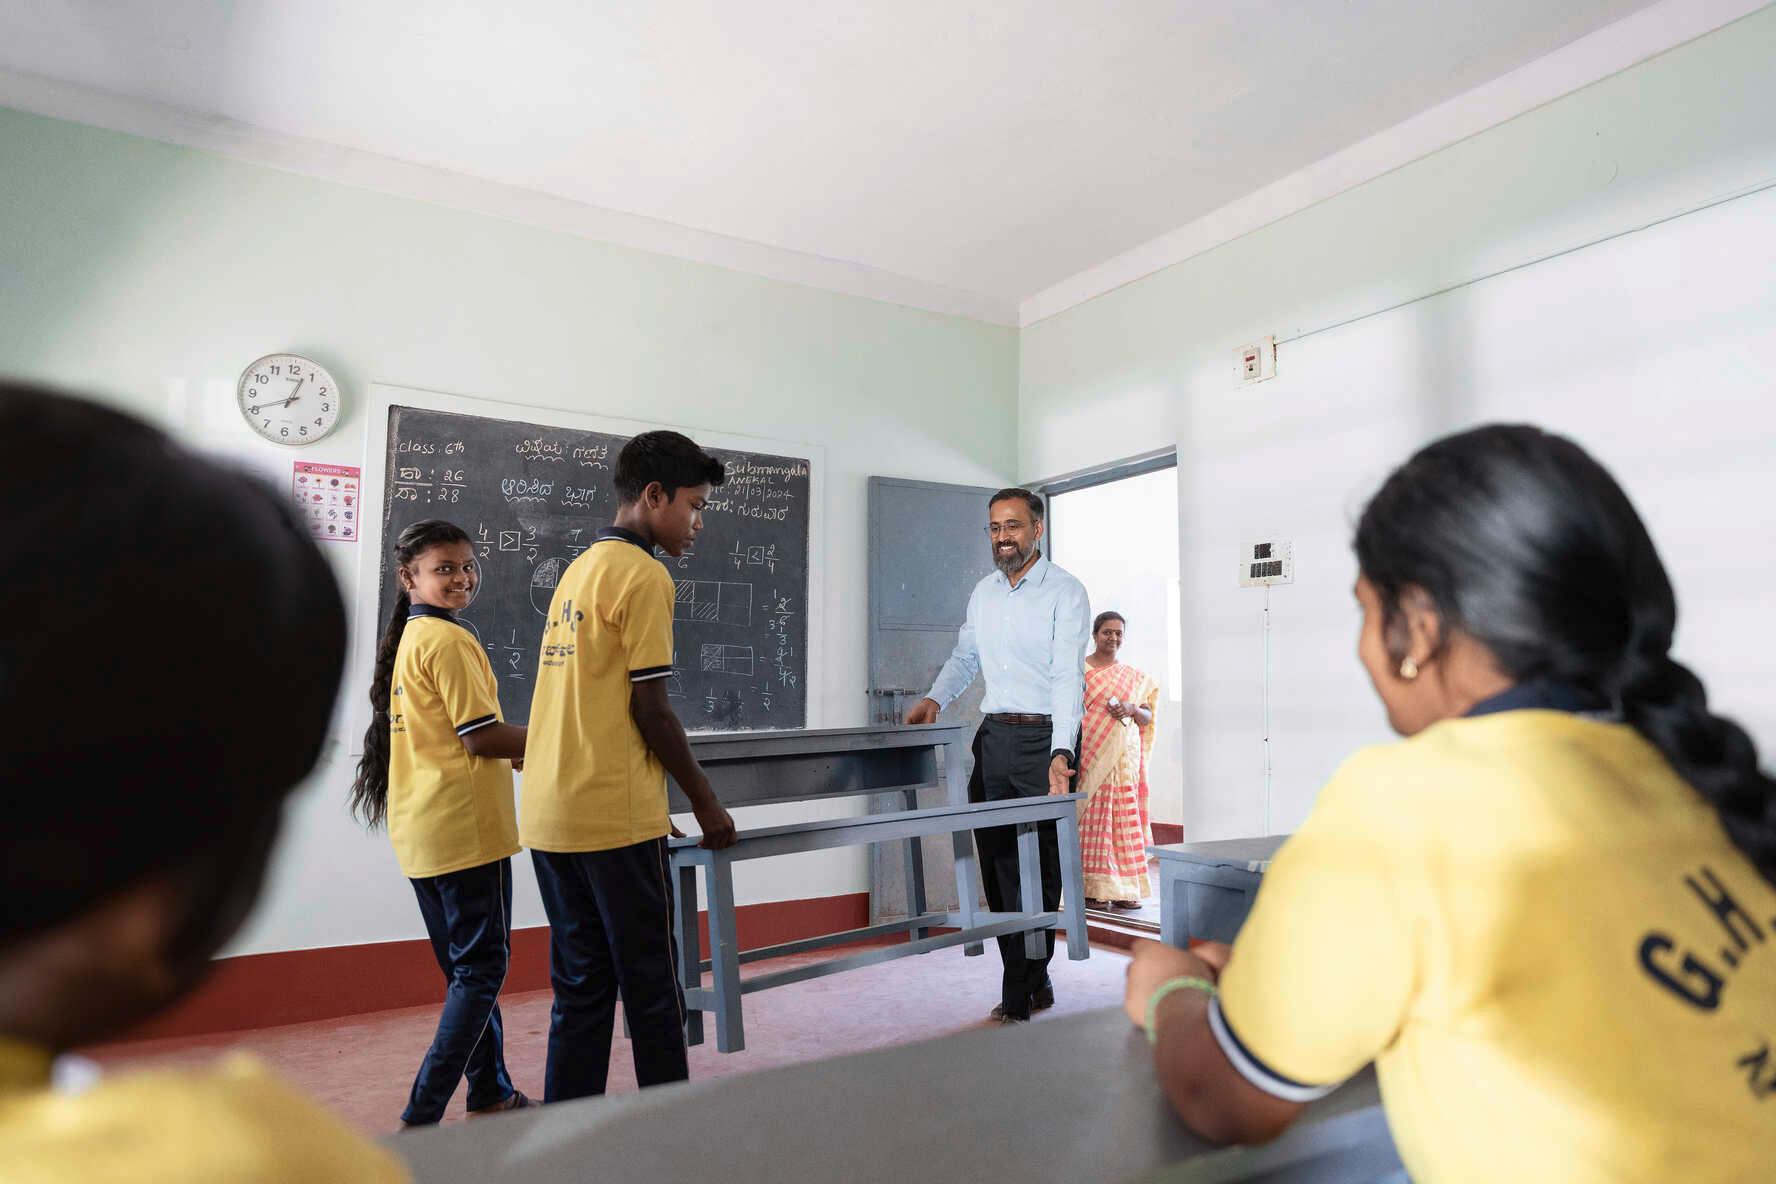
(447, 810)
(1561, 967)
(590, 781)
(232, 1123)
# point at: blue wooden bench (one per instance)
(760, 768)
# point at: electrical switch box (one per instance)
(1267, 563)
(1257, 361)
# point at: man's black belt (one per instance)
(1013, 717)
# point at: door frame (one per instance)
(1101, 474)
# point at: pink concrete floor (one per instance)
(361, 1066)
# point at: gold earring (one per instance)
(1408, 670)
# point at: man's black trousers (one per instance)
(1011, 761)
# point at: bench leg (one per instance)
(1072, 887)
(962, 842)
(915, 871)
(962, 847)
(1171, 910)
(724, 956)
(1030, 881)
(690, 946)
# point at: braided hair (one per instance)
(1526, 544)
(369, 789)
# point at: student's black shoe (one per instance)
(518, 1101)
(1044, 999)
(1000, 1016)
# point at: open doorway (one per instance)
(1117, 531)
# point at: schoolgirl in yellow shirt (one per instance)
(168, 690)
(437, 768)
(1548, 915)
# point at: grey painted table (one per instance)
(755, 768)
(1061, 1100)
(1206, 889)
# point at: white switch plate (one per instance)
(1258, 361)
(1267, 563)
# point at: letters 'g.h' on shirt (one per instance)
(590, 781)
(447, 809)
(1562, 968)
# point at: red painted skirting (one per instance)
(295, 986)
(1168, 832)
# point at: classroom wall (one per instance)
(1604, 266)
(154, 273)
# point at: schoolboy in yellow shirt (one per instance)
(173, 687)
(1549, 915)
(603, 736)
(437, 767)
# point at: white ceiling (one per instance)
(988, 147)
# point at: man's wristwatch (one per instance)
(1066, 752)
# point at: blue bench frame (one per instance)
(759, 768)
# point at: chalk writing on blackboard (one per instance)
(533, 499)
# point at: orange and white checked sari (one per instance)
(1113, 757)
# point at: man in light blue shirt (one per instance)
(1025, 633)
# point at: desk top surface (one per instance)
(1063, 1099)
(1253, 854)
(834, 739)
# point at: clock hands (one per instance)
(294, 395)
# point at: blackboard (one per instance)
(533, 498)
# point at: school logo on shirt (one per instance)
(556, 653)
(1700, 979)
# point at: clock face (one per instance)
(288, 399)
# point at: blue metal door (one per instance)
(928, 549)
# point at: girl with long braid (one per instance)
(1549, 915)
(437, 769)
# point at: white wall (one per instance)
(153, 274)
(1604, 266)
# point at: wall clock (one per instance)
(288, 399)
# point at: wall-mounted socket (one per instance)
(1268, 563)
(1258, 361)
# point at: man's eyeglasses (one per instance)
(998, 528)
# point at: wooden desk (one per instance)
(1057, 1101)
(1206, 889)
(756, 768)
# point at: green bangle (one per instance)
(1184, 982)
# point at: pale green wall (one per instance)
(1694, 125)
(1604, 265)
(154, 273)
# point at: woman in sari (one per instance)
(1115, 746)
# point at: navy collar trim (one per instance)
(1542, 695)
(428, 610)
(626, 535)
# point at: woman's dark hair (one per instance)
(675, 461)
(161, 613)
(369, 789)
(1112, 615)
(1526, 544)
(1014, 494)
